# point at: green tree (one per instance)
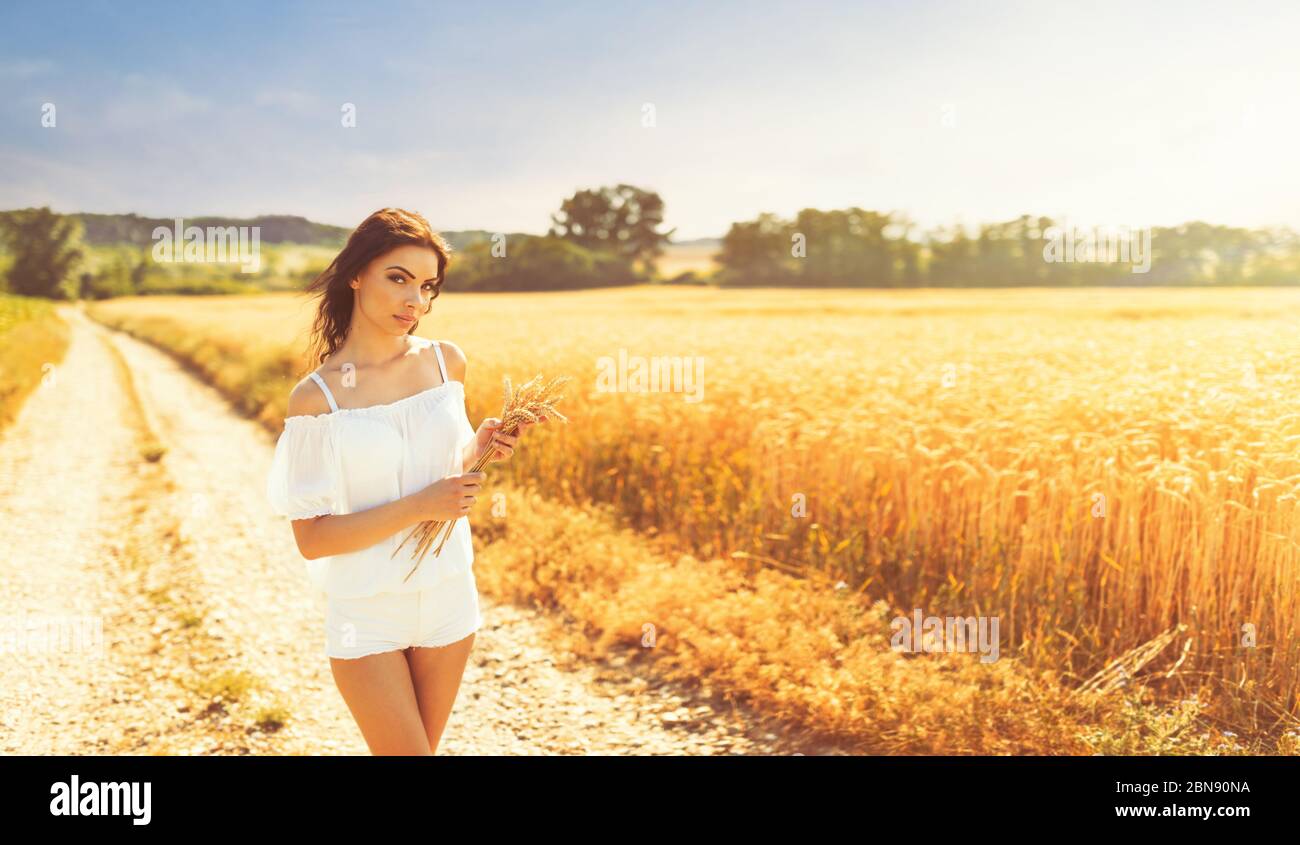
(846, 248)
(850, 247)
(623, 220)
(533, 263)
(758, 253)
(46, 252)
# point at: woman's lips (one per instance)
(406, 320)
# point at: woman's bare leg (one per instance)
(436, 674)
(378, 691)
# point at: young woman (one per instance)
(376, 441)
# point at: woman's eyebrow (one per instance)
(407, 272)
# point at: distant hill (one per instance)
(462, 239)
(105, 229)
(275, 228)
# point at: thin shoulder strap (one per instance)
(442, 365)
(334, 406)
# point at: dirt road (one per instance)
(132, 496)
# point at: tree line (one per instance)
(870, 249)
(598, 238)
(614, 235)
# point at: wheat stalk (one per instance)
(529, 403)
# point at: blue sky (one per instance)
(487, 116)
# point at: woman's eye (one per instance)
(428, 285)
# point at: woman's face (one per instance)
(397, 284)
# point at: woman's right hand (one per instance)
(449, 498)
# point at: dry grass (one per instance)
(818, 657)
(949, 448)
(33, 341)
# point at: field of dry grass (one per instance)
(1096, 468)
(33, 341)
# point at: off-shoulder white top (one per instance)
(352, 459)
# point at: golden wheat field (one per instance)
(31, 341)
(1095, 467)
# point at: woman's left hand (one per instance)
(490, 436)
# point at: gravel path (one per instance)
(212, 639)
(62, 464)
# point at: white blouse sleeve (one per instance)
(301, 483)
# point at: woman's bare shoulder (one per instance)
(455, 358)
(306, 399)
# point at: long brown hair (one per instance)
(378, 233)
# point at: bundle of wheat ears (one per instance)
(531, 402)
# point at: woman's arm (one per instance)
(337, 534)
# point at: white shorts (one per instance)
(430, 617)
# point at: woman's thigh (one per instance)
(449, 616)
(379, 692)
(436, 673)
